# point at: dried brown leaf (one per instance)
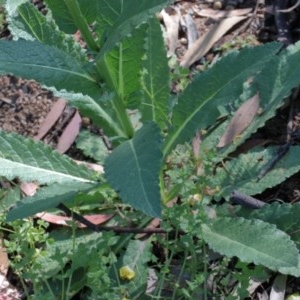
(207, 40)
(70, 133)
(61, 220)
(4, 261)
(96, 167)
(196, 143)
(52, 117)
(240, 121)
(29, 188)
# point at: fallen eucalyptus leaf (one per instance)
(70, 133)
(52, 117)
(240, 121)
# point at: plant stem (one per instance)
(119, 98)
(123, 116)
(180, 274)
(126, 238)
(116, 83)
(80, 21)
(205, 271)
(109, 120)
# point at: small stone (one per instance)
(217, 5)
(85, 121)
(199, 68)
(183, 41)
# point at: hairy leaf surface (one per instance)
(242, 173)
(15, 27)
(155, 77)
(133, 170)
(45, 198)
(122, 65)
(95, 109)
(284, 215)
(57, 254)
(46, 64)
(252, 241)
(34, 161)
(26, 19)
(117, 19)
(92, 146)
(90, 9)
(198, 105)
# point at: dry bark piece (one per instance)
(207, 40)
(217, 14)
(191, 28)
(53, 116)
(70, 133)
(240, 121)
(171, 18)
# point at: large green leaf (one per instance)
(252, 241)
(15, 27)
(242, 173)
(26, 19)
(46, 64)
(92, 146)
(199, 104)
(45, 198)
(117, 19)
(284, 215)
(121, 67)
(155, 77)
(34, 161)
(90, 9)
(133, 170)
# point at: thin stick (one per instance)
(245, 200)
(282, 24)
(281, 151)
(290, 8)
(116, 229)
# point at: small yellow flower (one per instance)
(126, 273)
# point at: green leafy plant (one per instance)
(121, 72)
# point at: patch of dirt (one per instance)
(23, 105)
